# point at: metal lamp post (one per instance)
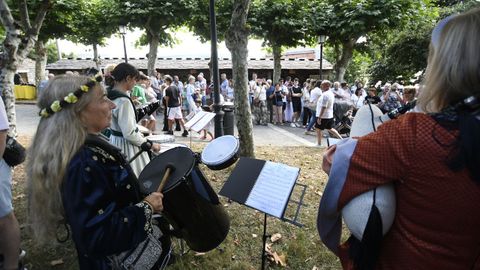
(214, 61)
(122, 29)
(321, 41)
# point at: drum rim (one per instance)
(226, 158)
(165, 190)
(142, 128)
(182, 179)
(160, 136)
(172, 143)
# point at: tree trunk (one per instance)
(96, 59)
(9, 63)
(342, 64)
(336, 50)
(237, 40)
(40, 62)
(277, 65)
(15, 49)
(6, 80)
(152, 53)
(336, 54)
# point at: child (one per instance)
(206, 130)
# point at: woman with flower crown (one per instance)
(76, 176)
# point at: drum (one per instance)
(145, 131)
(357, 211)
(167, 146)
(161, 138)
(221, 152)
(190, 204)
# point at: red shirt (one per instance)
(437, 222)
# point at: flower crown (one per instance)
(71, 98)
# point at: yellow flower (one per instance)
(56, 106)
(44, 113)
(71, 98)
(84, 88)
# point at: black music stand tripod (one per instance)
(293, 221)
(267, 187)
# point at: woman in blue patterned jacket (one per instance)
(77, 177)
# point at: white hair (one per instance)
(57, 139)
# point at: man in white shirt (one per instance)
(315, 94)
(324, 113)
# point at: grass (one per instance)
(301, 247)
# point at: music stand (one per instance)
(265, 186)
(198, 122)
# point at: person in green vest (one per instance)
(138, 91)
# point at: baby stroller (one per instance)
(342, 113)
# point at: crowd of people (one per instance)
(317, 105)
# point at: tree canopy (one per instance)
(403, 52)
(156, 17)
(199, 20)
(344, 22)
(280, 23)
(95, 21)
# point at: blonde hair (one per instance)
(57, 139)
(453, 65)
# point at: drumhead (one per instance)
(220, 150)
(182, 158)
(356, 212)
(161, 138)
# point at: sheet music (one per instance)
(272, 189)
(190, 116)
(198, 126)
(195, 119)
(332, 141)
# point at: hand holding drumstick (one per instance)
(155, 198)
(155, 201)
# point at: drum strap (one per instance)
(102, 142)
(113, 94)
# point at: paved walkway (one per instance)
(273, 135)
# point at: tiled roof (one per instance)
(189, 63)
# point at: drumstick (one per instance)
(168, 170)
